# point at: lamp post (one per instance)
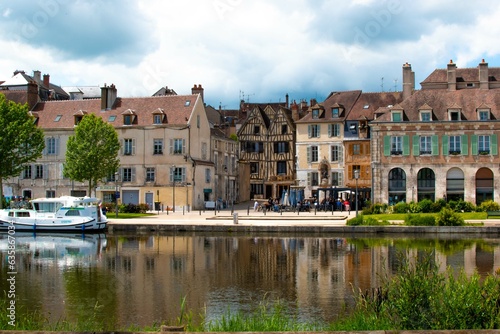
(356, 177)
(117, 194)
(173, 188)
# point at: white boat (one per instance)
(63, 214)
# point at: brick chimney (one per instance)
(32, 94)
(408, 81)
(452, 75)
(108, 97)
(483, 75)
(46, 80)
(37, 76)
(295, 111)
(197, 89)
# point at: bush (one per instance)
(355, 221)
(400, 207)
(419, 220)
(425, 205)
(413, 207)
(488, 206)
(379, 208)
(448, 217)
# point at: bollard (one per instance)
(248, 211)
(235, 218)
(200, 212)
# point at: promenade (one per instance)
(243, 218)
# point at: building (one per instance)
(441, 141)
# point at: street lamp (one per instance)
(173, 188)
(356, 177)
(117, 194)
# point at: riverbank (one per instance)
(242, 218)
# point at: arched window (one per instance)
(484, 185)
(455, 188)
(426, 183)
(397, 186)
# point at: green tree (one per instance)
(92, 152)
(22, 141)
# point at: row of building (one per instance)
(439, 141)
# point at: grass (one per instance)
(402, 216)
(121, 215)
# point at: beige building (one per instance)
(165, 150)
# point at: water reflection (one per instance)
(142, 279)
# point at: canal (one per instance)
(146, 279)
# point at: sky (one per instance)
(252, 50)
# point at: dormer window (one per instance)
(158, 116)
(353, 128)
(156, 119)
(315, 113)
(483, 115)
(335, 113)
(454, 115)
(397, 116)
(425, 115)
(78, 119)
(129, 117)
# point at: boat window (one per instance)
(47, 207)
(23, 214)
(72, 213)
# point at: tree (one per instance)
(22, 141)
(92, 152)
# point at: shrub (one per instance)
(355, 221)
(425, 205)
(438, 205)
(419, 220)
(462, 206)
(413, 207)
(379, 208)
(488, 206)
(448, 217)
(400, 207)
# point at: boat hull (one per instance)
(85, 225)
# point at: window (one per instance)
(27, 172)
(127, 175)
(38, 171)
(78, 119)
(51, 146)
(334, 130)
(312, 153)
(128, 146)
(335, 154)
(313, 131)
(254, 168)
(157, 119)
(484, 144)
(425, 116)
(356, 168)
(396, 116)
(356, 149)
(281, 147)
(150, 174)
(254, 147)
(484, 115)
(187, 103)
(158, 146)
(177, 174)
(208, 175)
(178, 146)
(281, 168)
(396, 145)
(50, 193)
(58, 118)
(256, 129)
(313, 179)
(336, 179)
(425, 145)
(315, 113)
(284, 129)
(111, 118)
(455, 145)
(454, 115)
(335, 112)
(127, 119)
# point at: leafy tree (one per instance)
(92, 152)
(22, 141)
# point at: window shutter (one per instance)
(171, 174)
(387, 145)
(341, 179)
(330, 130)
(494, 145)
(474, 144)
(445, 145)
(57, 146)
(349, 172)
(351, 149)
(184, 146)
(319, 130)
(435, 145)
(121, 146)
(406, 145)
(416, 145)
(464, 143)
(183, 174)
(171, 146)
(309, 131)
(309, 178)
(308, 154)
(341, 154)
(44, 152)
(45, 171)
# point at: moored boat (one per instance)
(63, 214)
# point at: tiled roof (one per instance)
(345, 99)
(17, 96)
(468, 100)
(462, 74)
(368, 103)
(177, 108)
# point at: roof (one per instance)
(89, 92)
(345, 100)
(367, 103)
(177, 109)
(462, 74)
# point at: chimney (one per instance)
(46, 80)
(295, 111)
(483, 75)
(286, 101)
(37, 76)
(108, 96)
(408, 81)
(452, 75)
(197, 89)
(32, 94)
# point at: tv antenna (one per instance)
(382, 83)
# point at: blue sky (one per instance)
(252, 49)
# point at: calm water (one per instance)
(142, 279)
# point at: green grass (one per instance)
(112, 215)
(402, 216)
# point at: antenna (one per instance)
(382, 83)
(396, 84)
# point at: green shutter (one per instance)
(474, 144)
(435, 145)
(464, 145)
(309, 131)
(446, 147)
(494, 145)
(416, 145)
(387, 146)
(308, 154)
(406, 145)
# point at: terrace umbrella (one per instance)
(293, 197)
(285, 201)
